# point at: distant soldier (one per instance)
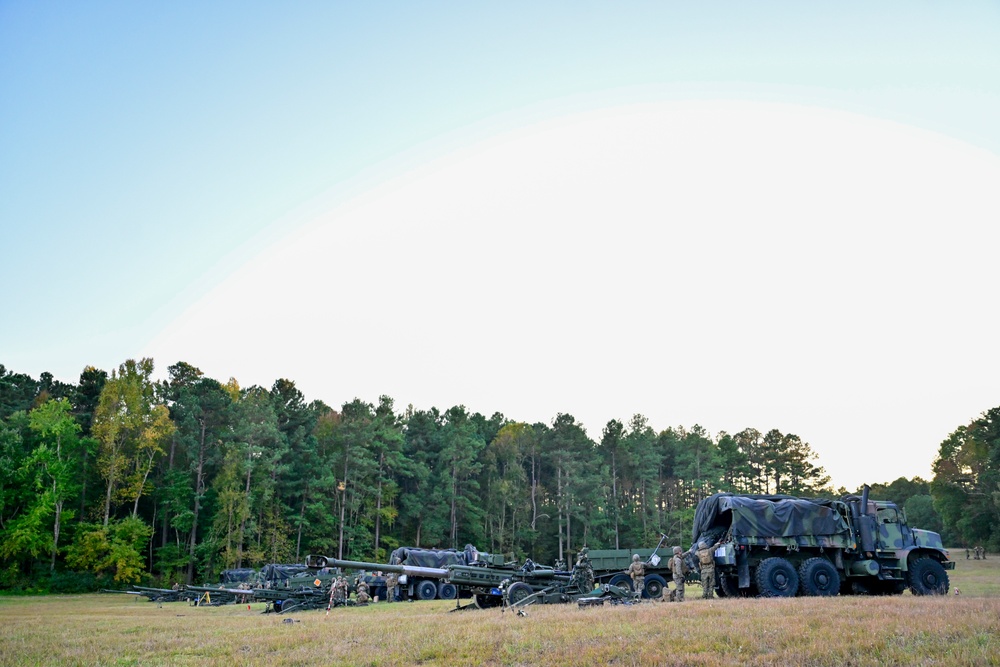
(363, 596)
(976, 550)
(637, 570)
(677, 567)
(583, 571)
(338, 592)
(560, 565)
(967, 556)
(391, 581)
(706, 560)
(176, 586)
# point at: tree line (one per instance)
(122, 477)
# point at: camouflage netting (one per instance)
(275, 572)
(767, 516)
(433, 557)
(238, 576)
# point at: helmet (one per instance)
(677, 550)
(635, 557)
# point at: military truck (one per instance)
(783, 546)
(428, 587)
(610, 565)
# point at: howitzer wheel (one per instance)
(654, 587)
(517, 592)
(484, 601)
(776, 578)
(927, 577)
(818, 576)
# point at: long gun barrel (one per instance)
(318, 562)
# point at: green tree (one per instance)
(55, 459)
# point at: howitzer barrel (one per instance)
(318, 562)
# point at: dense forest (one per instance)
(122, 478)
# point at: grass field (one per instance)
(902, 630)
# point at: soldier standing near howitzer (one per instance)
(338, 593)
(677, 567)
(637, 570)
(967, 553)
(583, 571)
(391, 581)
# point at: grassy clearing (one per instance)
(905, 630)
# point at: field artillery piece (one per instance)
(217, 596)
(563, 589)
(483, 579)
(157, 594)
(782, 546)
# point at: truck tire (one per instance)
(622, 580)
(927, 577)
(730, 585)
(654, 587)
(426, 590)
(818, 576)
(517, 592)
(776, 578)
(447, 591)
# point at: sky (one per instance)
(768, 215)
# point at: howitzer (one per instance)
(483, 579)
(216, 596)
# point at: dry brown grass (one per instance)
(115, 630)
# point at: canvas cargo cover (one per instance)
(238, 576)
(427, 557)
(275, 572)
(768, 516)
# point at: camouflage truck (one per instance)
(428, 587)
(782, 546)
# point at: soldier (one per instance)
(967, 553)
(677, 567)
(706, 559)
(583, 571)
(176, 586)
(363, 596)
(637, 570)
(391, 580)
(976, 550)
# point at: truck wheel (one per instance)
(426, 590)
(654, 587)
(818, 576)
(622, 580)
(447, 591)
(730, 586)
(776, 578)
(927, 577)
(517, 592)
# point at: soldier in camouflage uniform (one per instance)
(677, 567)
(337, 593)
(583, 571)
(363, 597)
(706, 559)
(637, 571)
(391, 581)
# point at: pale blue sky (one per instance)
(144, 148)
